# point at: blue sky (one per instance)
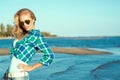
(68, 17)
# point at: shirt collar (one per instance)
(33, 31)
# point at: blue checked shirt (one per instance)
(26, 48)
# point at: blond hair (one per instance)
(17, 31)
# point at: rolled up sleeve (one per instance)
(48, 55)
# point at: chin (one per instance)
(27, 29)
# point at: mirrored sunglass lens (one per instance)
(27, 21)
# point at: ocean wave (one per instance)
(58, 73)
(107, 71)
(3, 61)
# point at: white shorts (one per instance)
(14, 71)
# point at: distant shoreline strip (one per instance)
(5, 51)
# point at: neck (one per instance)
(22, 36)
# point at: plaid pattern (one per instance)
(26, 48)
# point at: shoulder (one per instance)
(35, 32)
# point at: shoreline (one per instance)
(6, 38)
(5, 51)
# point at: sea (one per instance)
(73, 66)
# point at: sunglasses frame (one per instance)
(27, 21)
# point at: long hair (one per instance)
(17, 30)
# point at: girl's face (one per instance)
(26, 22)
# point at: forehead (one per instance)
(25, 16)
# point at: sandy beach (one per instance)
(74, 50)
(64, 50)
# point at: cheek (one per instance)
(31, 24)
(29, 27)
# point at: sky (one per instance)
(68, 18)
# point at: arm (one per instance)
(47, 58)
(30, 68)
(48, 55)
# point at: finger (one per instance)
(20, 66)
(22, 70)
